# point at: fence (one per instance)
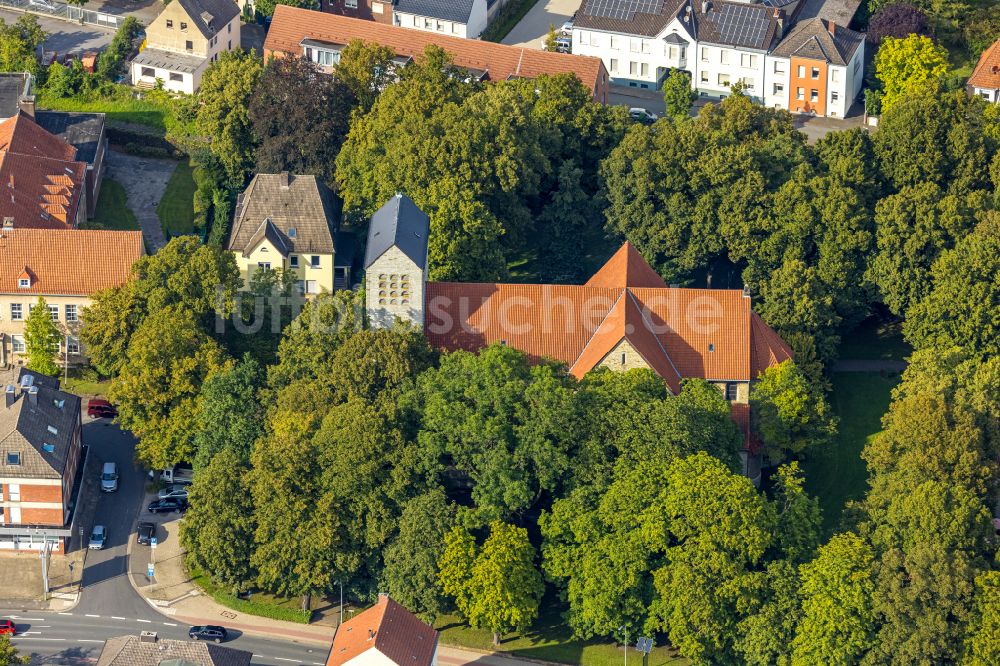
(65, 12)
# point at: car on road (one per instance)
(7, 627)
(98, 536)
(43, 4)
(642, 115)
(175, 491)
(167, 505)
(209, 632)
(109, 477)
(101, 409)
(145, 533)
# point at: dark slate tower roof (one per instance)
(398, 222)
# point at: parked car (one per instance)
(178, 474)
(174, 490)
(145, 533)
(209, 632)
(642, 115)
(109, 477)
(101, 409)
(7, 627)
(167, 505)
(98, 536)
(564, 44)
(43, 4)
(567, 29)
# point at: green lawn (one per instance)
(875, 339)
(176, 208)
(549, 640)
(838, 474)
(121, 108)
(260, 604)
(112, 211)
(86, 386)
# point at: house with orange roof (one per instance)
(985, 79)
(624, 317)
(386, 634)
(65, 267)
(320, 37)
(42, 185)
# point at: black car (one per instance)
(167, 505)
(208, 633)
(145, 533)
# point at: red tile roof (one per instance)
(987, 71)
(388, 628)
(290, 25)
(41, 184)
(705, 333)
(67, 262)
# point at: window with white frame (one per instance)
(148, 72)
(644, 69)
(813, 95)
(834, 96)
(351, 4)
(635, 45)
(724, 56)
(835, 75)
(645, 46)
(672, 52)
(264, 265)
(704, 77)
(16, 312)
(71, 313)
(293, 260)
(802, 71)
(314, 261)
(615, 42)
(440, 26)
(747, 82)
(17, 344)
(779, 67)
(614, 65)
(72, 345)
(800, 93)
(312, 287)
(428, 24)
(377, 8)
(704, 54)
(633, 68)
(723, 80)
(54, 312)
(779, 88)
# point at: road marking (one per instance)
(27, 619)
(283, 659)
(115, 617)
(35, 638)
(27, 633)
(89, 615)
(65, 613)
(146, 621)
(170, 624)
(88, 640)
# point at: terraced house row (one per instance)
(812, 66)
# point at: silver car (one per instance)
(175, 491)
(97, 537)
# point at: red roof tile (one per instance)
(626, 268)
(704, 333)
(66, 261)
(987, 71)
(388, 628)
(41, 184)
(290, 25)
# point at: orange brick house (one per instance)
(40, 447)
(319, 37)
(624, 317)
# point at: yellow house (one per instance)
(287, 222)
(183, 41)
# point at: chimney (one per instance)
(33, 394)
(9, 395)
(147, 637)
(371, 634)
(284, 179)
(833, 28)
(706, 6)
(779, 16)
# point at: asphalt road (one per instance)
(66, 37)
(109, 606)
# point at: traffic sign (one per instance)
(644, 645)
(152, 542)
(149, 570)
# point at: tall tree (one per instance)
(790, 415)
(266, 7)
(983, 642)
(41, 339)
(218, 530)
(299, 117)
(227, 89)
(897, 21)
(411, 560)
(19, 44)
(232, 416)
(838, 615)
(366, 70)
(678, 94)
(9, 655)
(496, 586)
(904, 64)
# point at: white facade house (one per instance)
(384, 635)
(461, 18)
(722, 43)
(181, 43)
(985, 79)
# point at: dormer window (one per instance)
(13, 457)
(24, 283)
(52, 429)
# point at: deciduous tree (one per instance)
(903, 65)
(9, 655)
(227, 89)
(678, 94)
(19, 43)
(232, 416)
(897, 21)
(41, 339)
(789, 415)
(983, 642)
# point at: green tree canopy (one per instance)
(227, 90)
(678, 94)
(496, 585)
(41, 339)
(19, 44)
(9, 655)
(904, 64)
(790, 415)
(232, 416)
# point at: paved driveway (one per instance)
(534, 26)
(145, 180)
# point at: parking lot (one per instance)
(66, 37)
(531, 30)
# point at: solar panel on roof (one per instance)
(740, 24)
(622, 9)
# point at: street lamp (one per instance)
(625, 629)
(341, 585)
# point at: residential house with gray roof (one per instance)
(289, 222)
(148, 649)
(458, 18)
(40, 451)
(721, 43)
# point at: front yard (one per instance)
(176, 207)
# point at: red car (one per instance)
(101, 409)
(7, 627)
